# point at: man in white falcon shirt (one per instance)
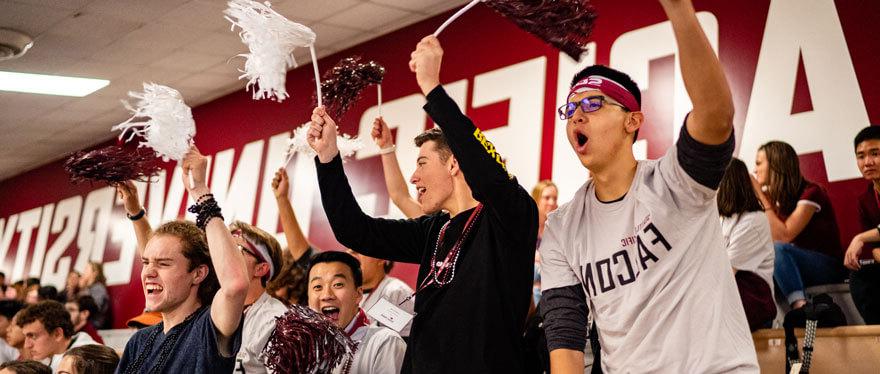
(640, 242)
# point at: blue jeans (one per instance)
(796, 268)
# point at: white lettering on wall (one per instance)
(810, 28)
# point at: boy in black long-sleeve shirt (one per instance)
(476, 250)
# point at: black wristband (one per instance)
(137, 216)
(205, 210)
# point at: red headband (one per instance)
(609, 87)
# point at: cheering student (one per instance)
(196, 277)
(640, 242)
(475, 247)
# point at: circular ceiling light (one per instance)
(13, 43)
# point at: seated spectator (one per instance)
(746, 233)
(335, 289)
(80, 310)
(89, 359)
(864, 281)
(93, 283)
(48, 331)
(15, 338)
(45, 293)
(379, 285)
(8, 309)
(71, 287)
(802, 224)
(24, 367)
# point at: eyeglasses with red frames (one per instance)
(588, 105)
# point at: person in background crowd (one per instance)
(8, 310)
(300, 249)
(49, 332)
(335, 289)
(379, 285)
(71, 286)
(290, 285)
(545, 194)
(24, 367)
(864, 280)
(89, 359)
(15, 338)
(746, 234)
(3, 282)
(80, 310)
(640, 241)
(263, 260)
(394, 181)
(93, 283)
(196, 276)
(47, 293)
(16, 291)
(802, 223)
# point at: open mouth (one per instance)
(331, 312)
(421, 191)
(153, 289)
(581, 139)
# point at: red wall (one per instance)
(480, 48)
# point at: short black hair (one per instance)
(50, 313)
(338, 256)
(616, 75)
(47, 293)
(86, 302)
(867, 133)
(8, 308)
(32, 281)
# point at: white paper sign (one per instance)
(389, 315)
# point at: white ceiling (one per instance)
(181, 43)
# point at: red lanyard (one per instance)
(876, 197)
(443, 273)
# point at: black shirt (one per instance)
(475, 323)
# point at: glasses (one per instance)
(246, 249)
(588, 105)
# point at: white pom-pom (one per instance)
(299, 143)
(271, 39)
(168, 127)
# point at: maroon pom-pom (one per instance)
(112, 165)
(564, 24)
(305, 341)
(342, 85)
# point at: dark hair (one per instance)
(735, 193)
(437, 136)
(32, 282)
(26, 367)
(616, 75)
(87, 303)
(2, 274)
(195, 249)
(785, 182)
(93, 359)
(345, 258)
(47, 293)
(254, 234)
(50, 313)
(8, 308)
(387, 266)
(867, 133)
(292, 279)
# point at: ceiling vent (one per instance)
(13, 44)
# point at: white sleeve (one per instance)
(389, 354)
(750, 242)
(556, 270)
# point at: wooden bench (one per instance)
(846, 349)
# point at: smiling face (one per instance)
(165, 277)
(598, 136)
(332, 291)
(433, 177)
(762, 168)
(868, 159)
